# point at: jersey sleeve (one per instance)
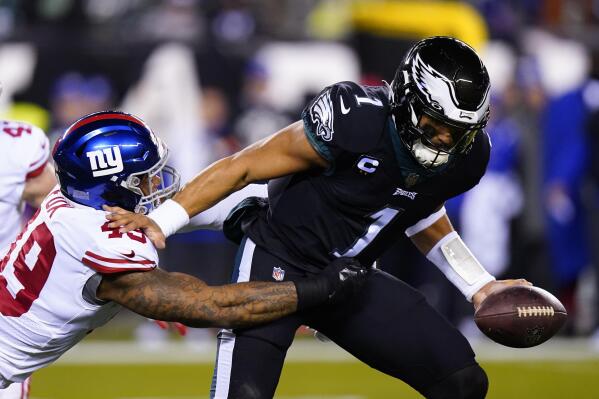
(30, 144)
(113, 252)
(39, 154)
(340, 119)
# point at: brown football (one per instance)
(520, 316)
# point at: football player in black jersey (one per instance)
(364, 165)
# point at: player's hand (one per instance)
(494, 286)
(128, 221)
(345, 277)
(165, 325)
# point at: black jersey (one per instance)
(372, 191)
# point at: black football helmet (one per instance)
(445, 79)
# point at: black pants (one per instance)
(388, 325)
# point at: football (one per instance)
(520, 316)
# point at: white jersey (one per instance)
(48, 281)
(23, 154)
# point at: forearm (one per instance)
(442, 245)
(183, 298)
(211, 185)
(285, 152)
(429, 237)
(214, 217)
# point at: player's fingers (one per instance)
(519, 281)
(130, 226)
(115, 209)
(161, 324)
(117, 217)
(158, 240)
(119, 220)
(181, 329)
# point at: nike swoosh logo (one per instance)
(130, 255)
(344, 110)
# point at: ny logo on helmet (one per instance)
(105, 162)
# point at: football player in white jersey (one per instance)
(68, 273)
(25, 174)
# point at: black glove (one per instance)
(341, 279)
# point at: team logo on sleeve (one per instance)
(321, 113)
(105, 162)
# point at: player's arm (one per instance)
(180, 297)
(436, 238)
(38, 186)
(285, 152)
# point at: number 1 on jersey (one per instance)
(368, 100)
(381, 219)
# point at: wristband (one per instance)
(458, 264)
(170, 217)
(311, 291)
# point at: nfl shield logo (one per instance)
(412, 179)
(278, 274)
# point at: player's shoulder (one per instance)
(21, 132)
(473, 166)
(84, 233)
(110, 251)
(25, 145)
(350, 115)
(480, 152)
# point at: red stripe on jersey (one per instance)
(36, 172)
(117, 269)
(101, 117)
(43, 158)
(113, 260)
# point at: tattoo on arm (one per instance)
(180, 297)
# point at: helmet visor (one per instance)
(450, 139)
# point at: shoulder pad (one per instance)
(346, 117)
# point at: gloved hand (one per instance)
(340, 280)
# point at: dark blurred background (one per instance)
(214, 76)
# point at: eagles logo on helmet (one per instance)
(114, 158)
(445, 79)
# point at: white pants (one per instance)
(18, 390)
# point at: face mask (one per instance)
(427, 156)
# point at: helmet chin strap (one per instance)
(426, 156)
